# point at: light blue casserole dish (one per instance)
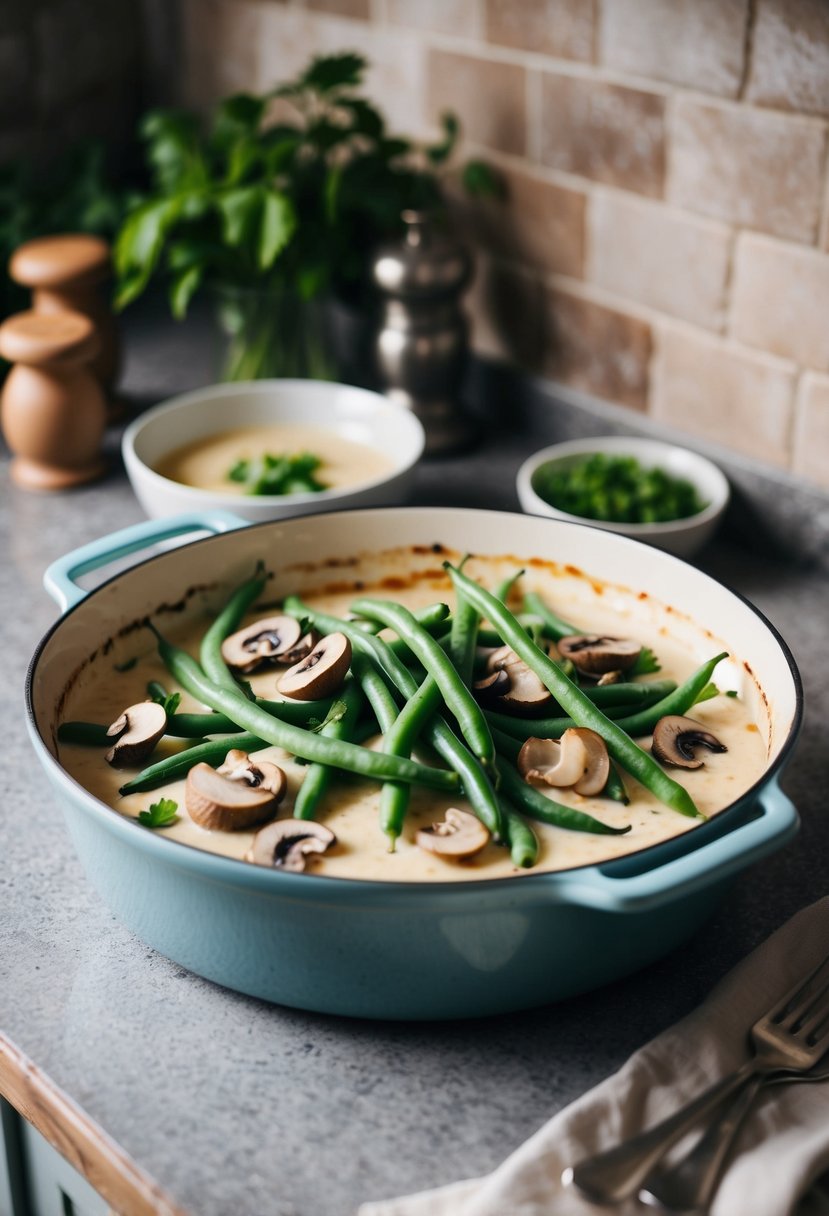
(382, 949)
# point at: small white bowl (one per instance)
(683, 537)
(353, 413)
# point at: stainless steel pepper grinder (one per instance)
(422, 345)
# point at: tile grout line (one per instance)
(603, 74)
(748, 49)
(728, 286)
(590, 186)
(670, 155)
(597, 7)
(534, 100)
(822, 241)
(593, 293)
(793, 428)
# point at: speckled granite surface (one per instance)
(238, 1107)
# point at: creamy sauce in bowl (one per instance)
(205, 463)
(351, 806)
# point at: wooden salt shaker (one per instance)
(52, 410)
(67, 273)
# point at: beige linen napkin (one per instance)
(784, 1146)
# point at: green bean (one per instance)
(615, 786)
(628, 693)
(621, 747)
(554, 626)
(491, 637)
(457, 696)
(463, 639)
(195, 726)
(679, 702)
(376, 690)
(433, 618)
(394, 796)
(522, 840)
(399, 741)
(318, 776)
(299, 713)
(476, 785)
(156, 691)
(504, 589)
(227, 622)
(548, 728)
(299, 742)
(174, 767)
(87, 734)
(536, 805)
(179, 726)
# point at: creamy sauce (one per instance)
(351, 806)
(204, 463)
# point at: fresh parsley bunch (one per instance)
(288, 189)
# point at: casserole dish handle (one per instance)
(59, 578)
(776, 821)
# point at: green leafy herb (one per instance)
(335, 713)
(710, 690)
(617, 489)
(284, 474)
(286, 205)
(646, 663)
(160, 815)
(169, 702)
(127, 665)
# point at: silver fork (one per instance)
(689, 1186)
(791, 1035)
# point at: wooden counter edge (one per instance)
(85, 1145)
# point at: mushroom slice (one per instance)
(232, 803)
(611, 677)
(554, 762)
(138, 729)
(321, 672)
(259, 775)
(501, 657)
(302, 649)
(262, 642)
(594, 654)
(598, 762)
(287, 843)
(492, 687)
(457, 835)
(525, 694)
(675, 739)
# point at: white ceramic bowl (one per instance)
(683, 537)
(352, 413)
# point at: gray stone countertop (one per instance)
(235, 1106)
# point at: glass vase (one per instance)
(273, 333)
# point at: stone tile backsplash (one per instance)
(665, 241)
